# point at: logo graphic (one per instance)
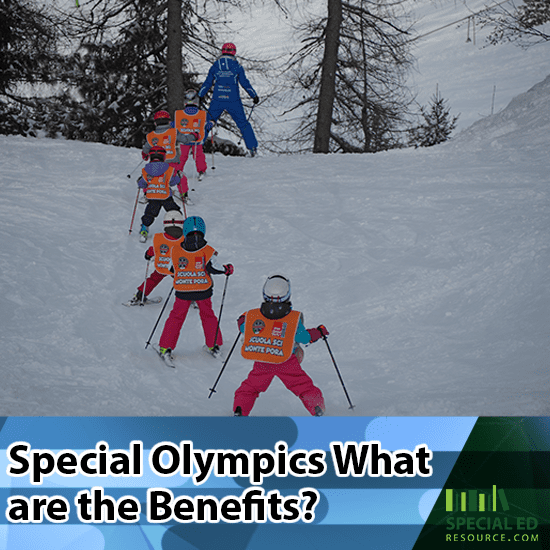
(199, 263)
(155, 141)
(473, 500)
(182, 262)
(164, 249)
(258, 326)
(487, 516)
(279, 329)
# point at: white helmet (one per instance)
(173, 218)
(276, 289)
(191, 97)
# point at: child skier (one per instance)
(193, 265)
(192, 121)
(156, 179)
(161, 250)
(272, 335)
(166, 136)
(225, 75)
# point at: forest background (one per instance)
(333, 76)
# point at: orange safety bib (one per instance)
(190, 269)
(187, 124)
(163, 252)
(269, 340)
(158, 187)
(166, 139)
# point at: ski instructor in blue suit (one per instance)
(225, 75)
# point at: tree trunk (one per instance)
(328, 77)
(174, 87)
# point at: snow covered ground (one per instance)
(429, 267)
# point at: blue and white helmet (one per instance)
(276, 289)
(194, 223)
(191, 98)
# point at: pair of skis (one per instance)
(170, 360)
(146, 302)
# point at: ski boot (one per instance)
(144, 233)
(166, 356)
(319, 411)
(137, 299)
(214, 351)
(238, 412)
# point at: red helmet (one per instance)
(157, 153)
(229, 48)
(161, 115)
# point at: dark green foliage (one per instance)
(437, 124)
(104, 87)
(29, 42)
(28, 45)
(118, 84)
(224, 146)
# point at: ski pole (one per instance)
(213, 388)
(193, 154)
(211, 134)
(158, 320)
(251, 111)
(212, 146)
(130, 174)
(183, 204)
(221, 308)
(337, 371)
(142, 302)
(182, 199)
(134, 212)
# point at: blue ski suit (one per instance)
(225, 75)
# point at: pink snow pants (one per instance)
(291, 375)
(183, 187)
(151, 282)
(198, 154)
(172, 327)
(200, 163)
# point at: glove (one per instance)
(144, 156)
(318, 333)
(150, 253)
(228, 269)
(240, 321)
(256, 100)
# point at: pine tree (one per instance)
(437, 125)
(29, 42)
(118, 75)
